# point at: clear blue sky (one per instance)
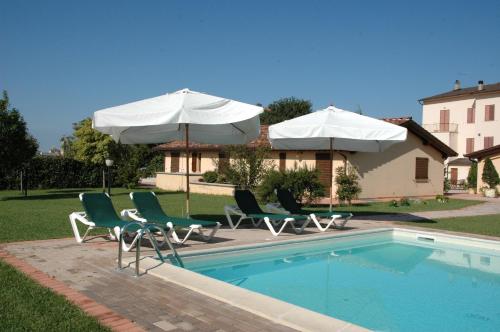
(62, 60)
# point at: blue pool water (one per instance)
(380, 283)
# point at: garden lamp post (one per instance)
(109, 164)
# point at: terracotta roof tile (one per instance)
(487, 88)
(262, 140)
(181, 145)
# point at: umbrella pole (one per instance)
(331, 166)
(187, 170)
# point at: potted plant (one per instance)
(490, 176)
(472, 179)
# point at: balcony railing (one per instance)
(441, 127)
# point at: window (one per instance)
(194, 161)
(422, 169)
(469, 145)
(223, 161)
(488, 141)
(471, 115)
(174, 162)
(444, 121)
(489, 113)
(282, 161)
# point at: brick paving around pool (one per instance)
(87, 274)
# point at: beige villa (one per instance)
(410, 169)
(494, 154)
(465, 120)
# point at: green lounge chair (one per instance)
(148, 209)
(100, 213)
(288, 203)
(248, 208)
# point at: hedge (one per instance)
(48, 172)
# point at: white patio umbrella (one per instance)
(335, 129)
(181, 115)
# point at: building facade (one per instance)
(413, 168)
(466, 120)
(494, 154)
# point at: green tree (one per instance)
(17, 146)
(131, 161)
(472, 176)
(490, 174)
(89, 145)
(67, 146)
(303, 183)
(348, 187)
(285, 109)
(247, 166)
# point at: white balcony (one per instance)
(441, 127)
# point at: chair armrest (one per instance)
(233, 209)
(276, 208)
(81, 217)
(132, 214)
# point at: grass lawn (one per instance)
(44, 213)
(425, 205)
(484, 225)
(27, 306)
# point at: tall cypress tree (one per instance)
(490, 174)
(17, 146)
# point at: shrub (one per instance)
(47, 172)
(247, 166)
(348, 187)
(472, 176)
(404, 201)
(393, 203)
(303, 183)
(442, 199)
(490, 175)
(272, 181)
(446, 185)
(210, 176)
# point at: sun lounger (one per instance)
(100, 213)
(148, 209)
(288, 204)
(248, 208)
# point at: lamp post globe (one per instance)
(109, 164)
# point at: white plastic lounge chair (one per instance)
(287, 204)
(100, 213)
(248, 209)
(148, 209)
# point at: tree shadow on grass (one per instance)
(41, 197)
(70, 193)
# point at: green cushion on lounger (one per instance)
(100, 211)
(275, 216)
(248, 205)
(150, 209)
(287, 201)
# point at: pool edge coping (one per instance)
(276, 310)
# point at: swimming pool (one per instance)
(392, 280)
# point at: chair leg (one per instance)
(299, 230)
(178, 240)
(343, 222)
(126, 248)
(271, 228)
(318, 224)
(211, 234)
(76, 232)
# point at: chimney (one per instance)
(457, 85)
(480, 85)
